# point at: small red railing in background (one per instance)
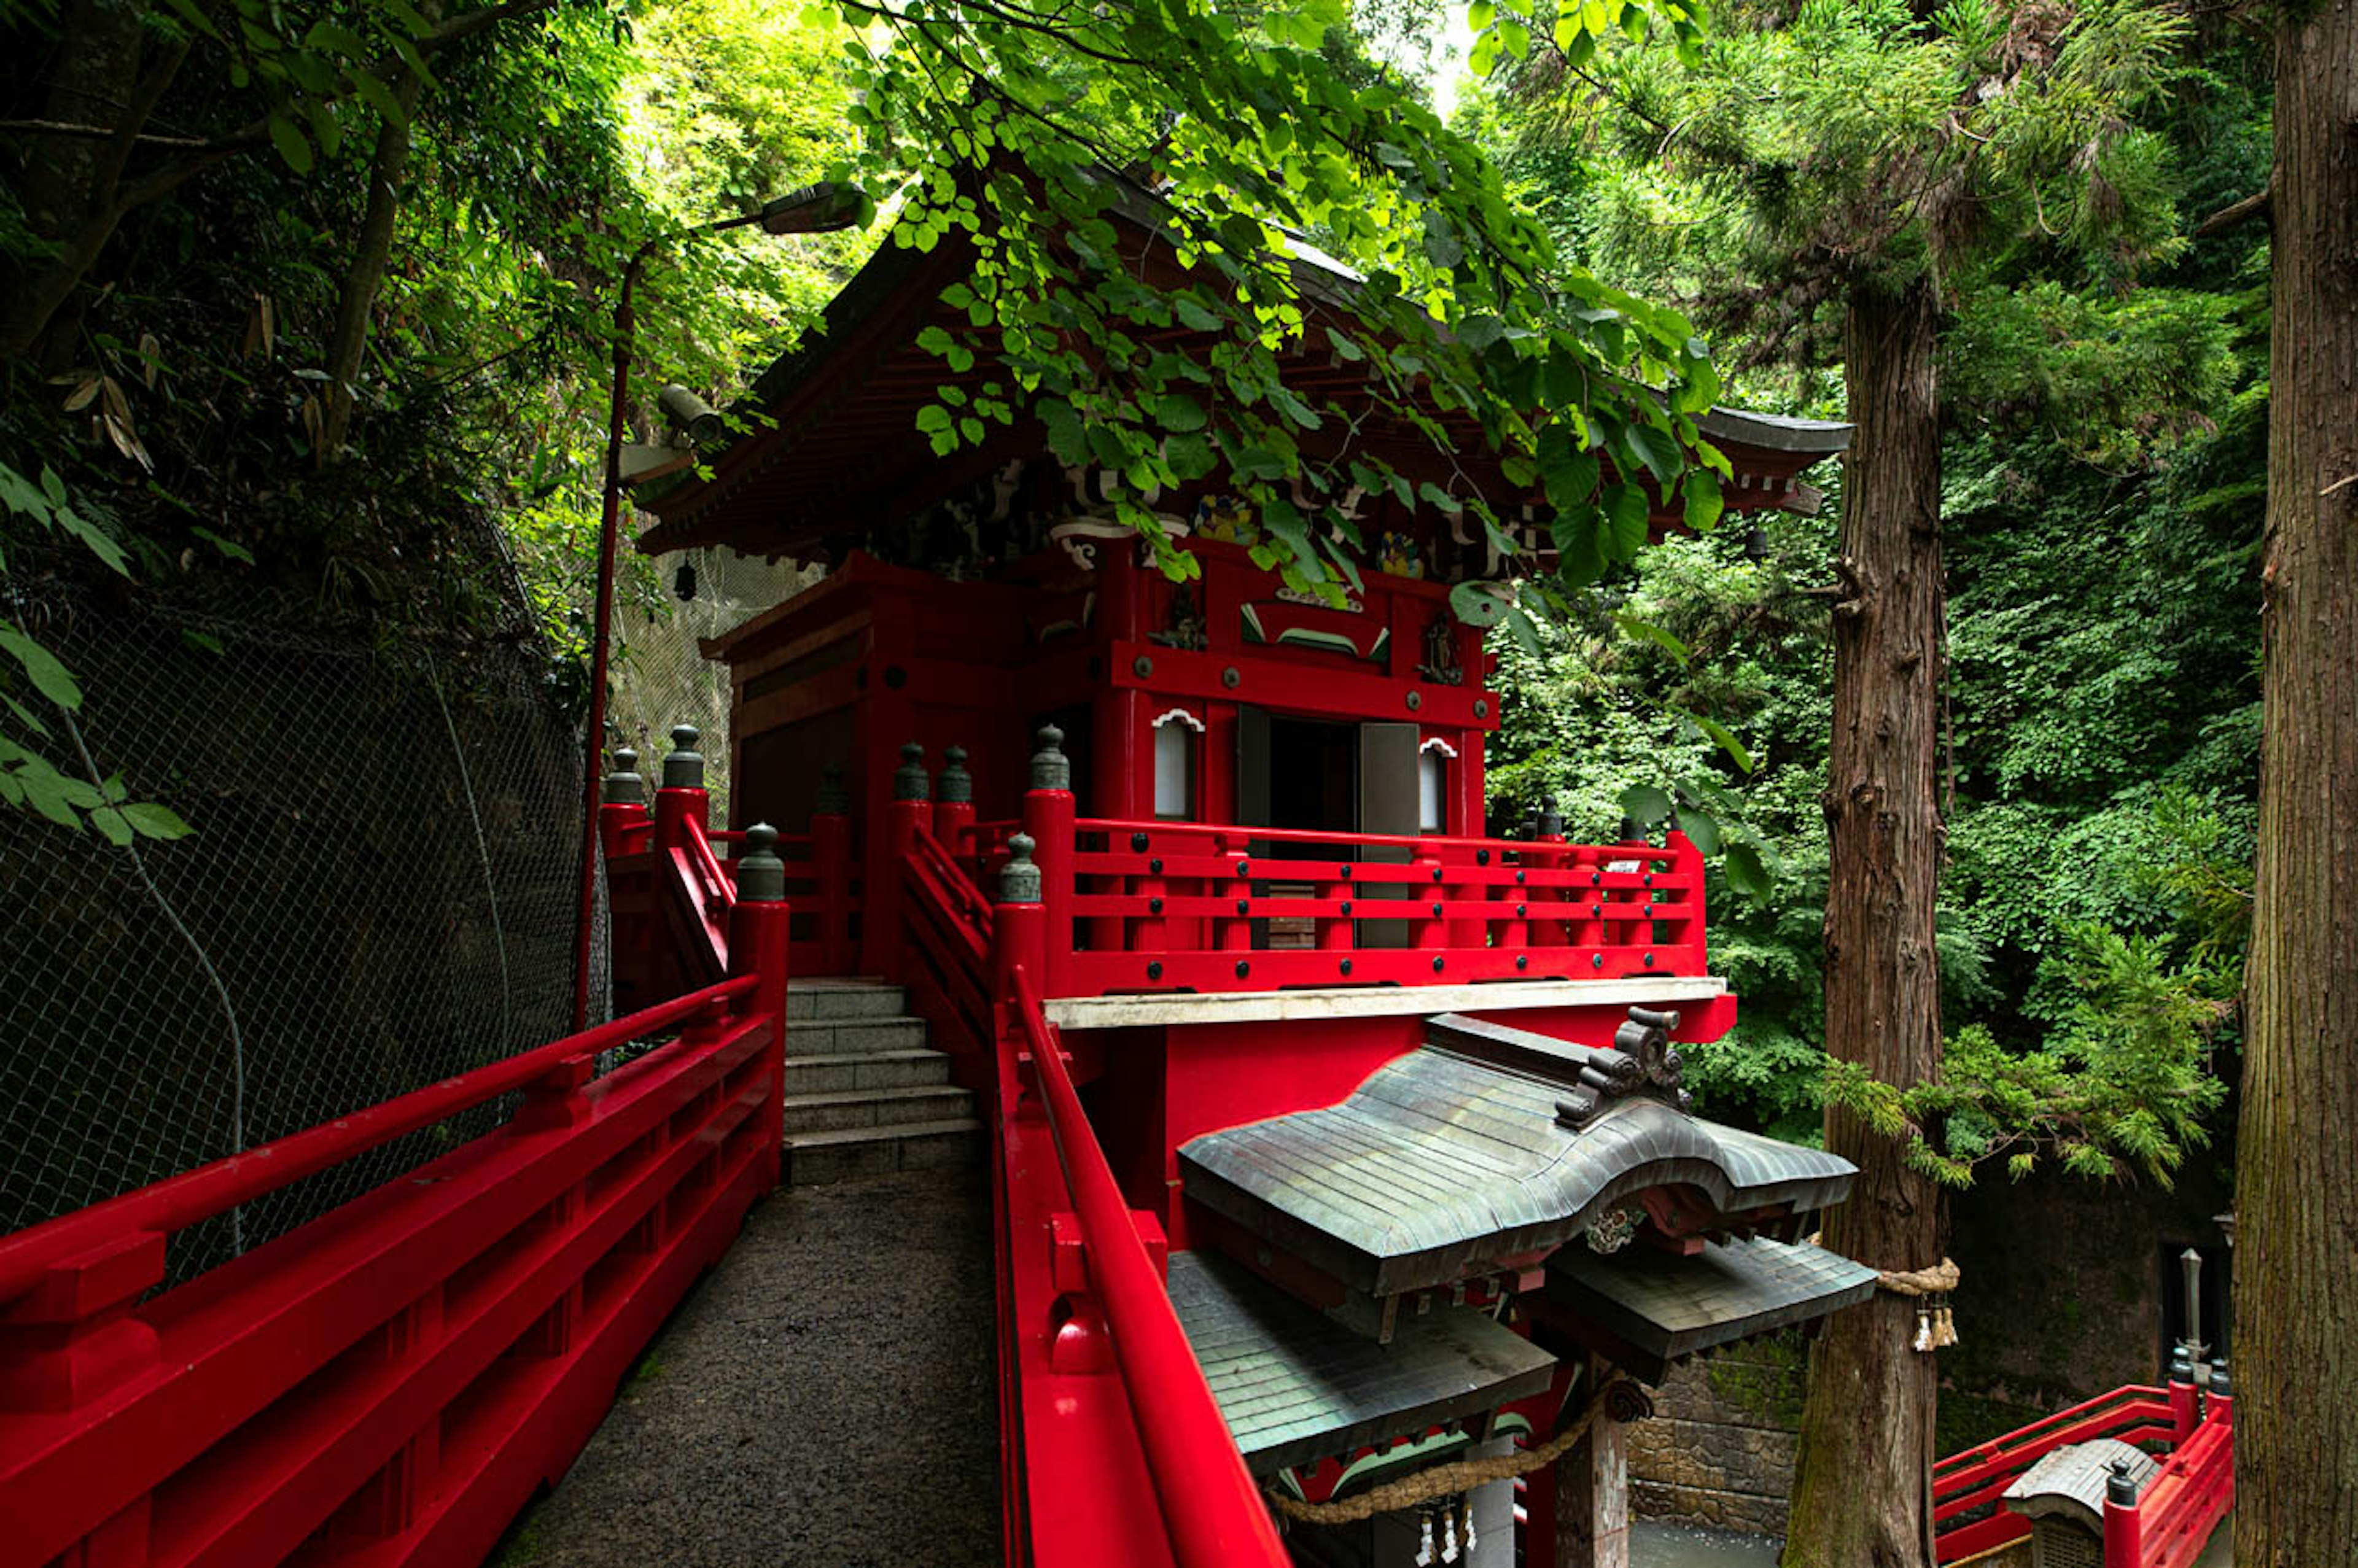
(391, 1381)
(2170, 1522)
(1969, 1519)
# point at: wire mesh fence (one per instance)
(380, 893)
(661, 675)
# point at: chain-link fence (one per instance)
(379, 893)
(660, 676)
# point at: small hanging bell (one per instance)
(1469, 1526)
(1924, 1331)
(1425, 1540)
(1449, 1532)
(1948, 1324)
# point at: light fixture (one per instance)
(683, 582)
(691, 415)
(814, 208)
(1755, 545)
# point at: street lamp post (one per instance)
(815, 208)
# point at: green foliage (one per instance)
(28, 779)
(2122, 1086)
(993, 127)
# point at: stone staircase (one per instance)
(865, 1095)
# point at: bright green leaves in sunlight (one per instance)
(1304, 210)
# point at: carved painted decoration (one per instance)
(1441, 667)
(1186, 628)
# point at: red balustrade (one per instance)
(2171, 1520)
(389, 1382)
(1969, 1518)
(1201, 907)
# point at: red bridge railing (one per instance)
(389, 1382)
(1113, 1449)
(2184, 1502)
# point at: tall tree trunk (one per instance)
(366, 275)
(2296, 1157)
(1862, 1493)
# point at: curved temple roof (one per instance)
(1439, 1166)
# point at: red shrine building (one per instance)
(1302, 1087)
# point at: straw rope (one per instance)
(1940, 1280)
(1445, 1480)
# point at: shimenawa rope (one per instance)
(1443, 1480)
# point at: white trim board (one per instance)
(1371, 1002)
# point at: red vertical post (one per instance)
(759, 944)
(832, 865)
(1688, 866)
(1426, 886)
(1048, 820)
(1019, 939)
(2123, 1526)
(623, 822)
(682, 795)
(2184, 1401)
(911, 809)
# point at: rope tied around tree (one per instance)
(1930, 1288)
(1447, 1480)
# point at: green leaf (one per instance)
(1180, 413)
(288, 139)
(229, 548)
(1647, 632)
(1658, 452)
(1725, 739)
(1627, 509)
(1700, 828)
(1745, 873)
(1702, 499)
(153, 821)
(110, 822)
(1479, 603)
(49, 678)
(1645, 804)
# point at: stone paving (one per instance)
(826, 1396)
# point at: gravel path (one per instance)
(824, 1397)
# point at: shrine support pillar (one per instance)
(1592, 1499)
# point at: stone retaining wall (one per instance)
(1718, 1450)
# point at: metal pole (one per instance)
(2190, 1263)
(594, 745)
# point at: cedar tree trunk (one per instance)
(2297, 1155)
(1862, 1491)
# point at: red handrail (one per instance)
(1215, 1514)
(178, 1202)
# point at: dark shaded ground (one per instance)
(825, 1397)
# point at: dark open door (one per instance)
(1387, 804)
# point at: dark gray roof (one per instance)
(1663, 1307)
(2070, 1482)
(1296, 1386)
(1438, 1165)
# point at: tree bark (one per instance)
(1862, 1490)
(366, 275)
(2296, 1157)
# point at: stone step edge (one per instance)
(829, 1058)
(841, 983)
(840, 1136)
(866, 1096)
(880, 1021)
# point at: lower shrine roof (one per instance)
(1441, 1166)
(2069, 1482)
(1661, 1306)
(1296, 1386)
